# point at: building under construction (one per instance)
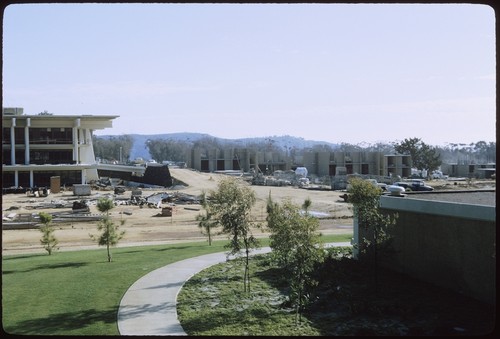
(317, 163)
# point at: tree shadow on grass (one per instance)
(18, 256)
(223, 319)
(129, 250)
(63, 322)
(175, 248)
(48, 266)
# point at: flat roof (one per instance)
(57, 116)
(476, 204)
(486, 197)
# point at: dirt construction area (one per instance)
(146, 225)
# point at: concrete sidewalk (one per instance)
(149, 305)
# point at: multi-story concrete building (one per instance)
(317, 163)
(38, 147)
(360, 162)
(236, 159)
(478, 171)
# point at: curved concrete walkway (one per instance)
(149, 305)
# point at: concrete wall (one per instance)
(469, 170)
(81, 189)
(448, 244)
(323, 160)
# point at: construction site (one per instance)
(152, 214)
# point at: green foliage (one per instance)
(230, 207)
(109, 231)
(366, 199)
(307, 204)
(423, 156)
(296, 247)
(171, 150)
(109, 147)
(45, 218)
(104, 205)
(374, 225)
(364, 195)
(206, 222)
(49, 240)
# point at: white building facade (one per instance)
(37, 147)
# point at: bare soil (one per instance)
(148, 226)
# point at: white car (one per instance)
(438, 175)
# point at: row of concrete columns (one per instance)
(76, 133)
(27, 141)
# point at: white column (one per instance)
(13, 142)
(16, 178)
(81, 136)
(27, 141)
(75, 140)
(32, 181)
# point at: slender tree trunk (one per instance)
(375, 258)
(107, 242)
(247, 273)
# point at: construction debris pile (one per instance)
(279, 178)
(78, 209)
(295, 178)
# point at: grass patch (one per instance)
(78, 293)
(345, 303)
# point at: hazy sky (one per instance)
(329, 72)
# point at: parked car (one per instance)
(438, 175)
(414, 185)
(380, 185)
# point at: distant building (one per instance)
(317, 163)
(359, 162)
(236, 159)
(478, 171)
(38, 147)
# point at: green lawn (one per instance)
(78, 293)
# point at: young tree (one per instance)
(307, 205)
(296, 247)
(206, 222)
(110, 235)
(230, 206)
(375, 225)
(49, 241)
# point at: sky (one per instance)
(339, 73)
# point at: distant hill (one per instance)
(139, 148)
